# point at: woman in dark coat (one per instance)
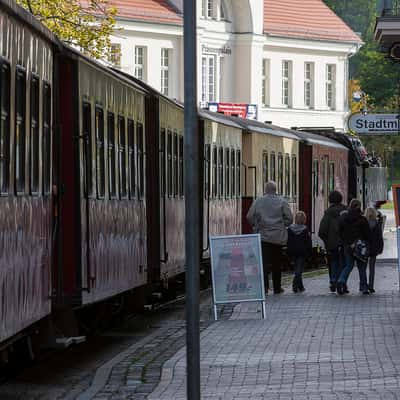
(354, 231)
(375, 243)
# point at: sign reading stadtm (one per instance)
(375, 124)
(237, 273)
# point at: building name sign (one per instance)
(375, 124)
(221, 50)
(241, 110)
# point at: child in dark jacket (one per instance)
(299, 246)
(375, 243)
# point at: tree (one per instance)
(87, 25)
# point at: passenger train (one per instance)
(91, 180)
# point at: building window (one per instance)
(222, 12)
(115, 54)
(330, 86)
(309, 85)
(208, 64)
(286, 83)
(139, 62)
(265, 82)
(164, 71)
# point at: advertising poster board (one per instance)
(237, 272)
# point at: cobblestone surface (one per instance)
(314, 345)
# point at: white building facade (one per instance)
(246, 54)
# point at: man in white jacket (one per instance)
(270, 216)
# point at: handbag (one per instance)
(360, 250)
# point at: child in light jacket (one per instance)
(299, 247)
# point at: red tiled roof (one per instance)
(159, 11)
(309, 19)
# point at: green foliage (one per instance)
(87, 25)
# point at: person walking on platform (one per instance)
(355, 234)
(375, 243)
(299, 246)
(270, 216)
(329, 233)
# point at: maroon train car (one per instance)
(26, 82)
(102, 196)
(323, 168)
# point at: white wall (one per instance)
(242, 68)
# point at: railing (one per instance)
(389, 8)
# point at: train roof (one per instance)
(313, 138)
(13, 9)
(76, 54)
(220, 118)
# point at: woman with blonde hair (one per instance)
(375, 243)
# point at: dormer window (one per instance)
(213, 9)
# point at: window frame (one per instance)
(162, 161)
(265, 170)
(112, 156)
(181, 190)
(123, 191)
(20, 154)
(5, 126)
(265, 90)
(87, 148)
(309, 85)
(208, 95)
(175, 158)
(294, 176)
(34, 135)
(130, 126)
(227, 168)
(141, 169)
(170, 163)
(221, 171)
(280, 174)
(331, 176)
(139, 62)
(316, 177)
(100, 152)
(238, 174)
(330, 86)
(46, 137)
(164, 70)
(272, 160)
(286, 83)
(287, 176)
(207, 169)
(214, 184)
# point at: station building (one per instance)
(280, 61)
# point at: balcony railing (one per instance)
(389, 8)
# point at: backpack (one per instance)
(360, 250)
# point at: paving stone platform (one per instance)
(314, 345)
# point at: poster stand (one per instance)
(237, 270)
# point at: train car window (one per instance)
(214, 173)
(316, 177)
(46, 139)
(294, 176)
(207, 156)
(100, 162)
(34, 135)
(112, 183)
(181, 169)
(280, 173)
(176, 162)
(131, 158)
(20, 109)
(162, 162)
(169, 163)
(140, 159)
(233, 183)
(122, 157)
(323, 176)
(238, 175)
(227, 174)
(87, 148)
(273, 167)
(331, 179)
(287, 175)
(5, 87)
(220, 172)
(264, 170)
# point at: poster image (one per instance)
(236, 265)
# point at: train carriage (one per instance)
(222, 137)
(26, 82)
(269, 153)
(102, 195)
(323, 168)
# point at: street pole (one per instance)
(192, 202)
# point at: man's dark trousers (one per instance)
(272, 261)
